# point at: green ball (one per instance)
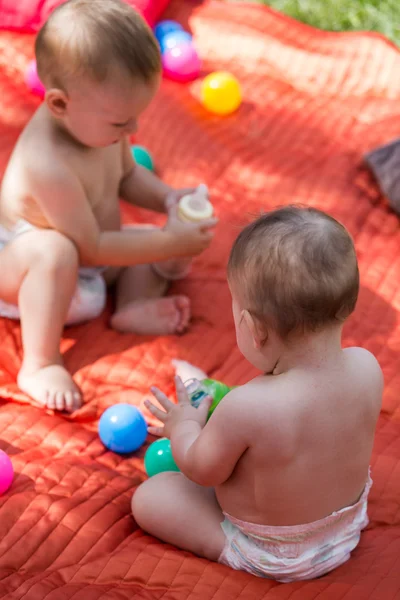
(142, 157)
(158, 458)
(217, 391)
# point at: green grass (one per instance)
(345, 15)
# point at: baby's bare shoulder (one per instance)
(35, 165)
(261, 410)
(263, 394)
(364, 365)
(37, 153)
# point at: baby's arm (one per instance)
(208, 456)
(139, 186)
(62, 199)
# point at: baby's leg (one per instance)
(140, 306)
(180, 512)
(39, 273)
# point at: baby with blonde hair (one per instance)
(276, 482)
(61, 238)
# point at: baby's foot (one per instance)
(160, 316)
(186, 371)
(52, 386)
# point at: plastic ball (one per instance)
(163, 28)
(122, 428)
(217, 391)
(173, 39)
(142, 157)
(32, 80)
(199, 390)
(6, 472)
(158, 458)
(181, 63)
(220, 93)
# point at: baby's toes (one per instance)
(60, 400)
(69, 401)
(77, 400)
(51, 400)
(183, 306)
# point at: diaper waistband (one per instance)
(287, 533)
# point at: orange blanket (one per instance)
(314, 103)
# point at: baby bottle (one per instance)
(199, 390)
(192, 208)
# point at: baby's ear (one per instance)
(57, 102)
(257, 333)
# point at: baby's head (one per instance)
(292, 272)
(100, 65)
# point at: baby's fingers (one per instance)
(158, 431)
(159, 414)
(208, 236)
(181, 392)
(205, 406)
(209, 224)
(162, 398)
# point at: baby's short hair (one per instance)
(91, 37)
(295, 269)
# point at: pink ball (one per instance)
(181, 63)
(32, 80)
(6, 472)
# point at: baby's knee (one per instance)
(145, 502)
(56, 252)
(142, 501)
(139, 505)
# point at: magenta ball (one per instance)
(6, 472)
(181, 63)
(32, 80)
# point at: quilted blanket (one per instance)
(314, 104)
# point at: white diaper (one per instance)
(298, 552)
(89, 299)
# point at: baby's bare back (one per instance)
(312, 434)
(42, 146)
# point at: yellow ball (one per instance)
(220, 93)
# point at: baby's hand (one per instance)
(173, 198)
(189, 239)
(175, 414)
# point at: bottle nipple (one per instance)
(196, 206)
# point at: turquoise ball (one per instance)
(142, 157)
(158, 458)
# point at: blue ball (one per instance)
(122, 428)
(174, 38)
(165, 27)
